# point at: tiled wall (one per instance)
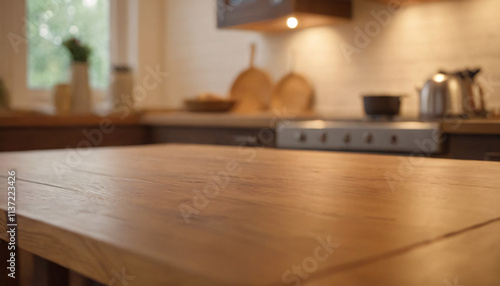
(418, 40)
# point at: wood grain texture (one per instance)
(470, 258)
(119, 210)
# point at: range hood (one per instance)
(279, 15)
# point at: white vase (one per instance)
(81, 102)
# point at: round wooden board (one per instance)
(252, 89)
(293, 94)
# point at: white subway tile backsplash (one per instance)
(420, 39)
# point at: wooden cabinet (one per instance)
(473, 139)
(272, 15)
(42, 138)
(22, 133)
(56, 132)
(474, 147)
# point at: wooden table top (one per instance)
(267, 217)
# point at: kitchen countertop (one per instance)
(230, 120)
(168, 118)
(257, 216)
(193, 119)
(41, 120)
(269, 120)
(472, 126)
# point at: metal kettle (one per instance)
(453, 94)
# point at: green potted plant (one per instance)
(79, 52)
(80, 90)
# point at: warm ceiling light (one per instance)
(439, 77)
(292, 22)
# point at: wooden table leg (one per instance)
(26, 268)
(4, 255)
(33, 270)
(75, 279)
(50, 274)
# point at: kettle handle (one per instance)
(481, 98)
(471, 106)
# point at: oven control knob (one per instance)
(347, 138)
(323, 137)
(394, 139)
(300, 136)
(368, 138)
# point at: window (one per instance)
(49, 23)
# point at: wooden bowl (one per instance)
(195, 105)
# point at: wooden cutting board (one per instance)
(293, 94)
(252, 89)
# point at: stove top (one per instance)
(382, 135)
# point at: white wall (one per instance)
(13, 55)
(150, 51)
(418, 41)
(198, 56)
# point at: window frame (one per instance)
(42, 89)
(14, 67)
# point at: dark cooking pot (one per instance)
(382, 105)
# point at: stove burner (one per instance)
(380, 134)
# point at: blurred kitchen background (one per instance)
(180, 37)
(228, 71)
